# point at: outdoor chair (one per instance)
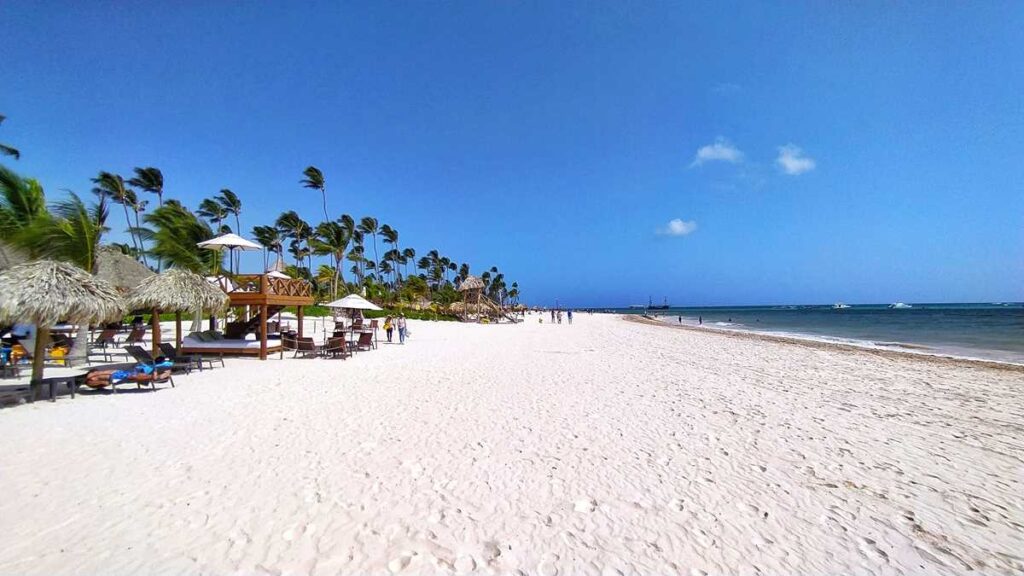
(365, 341)
(171, 353)
(143, 357)
(103, 377)
(136, 336)
(336, 347)
(307, 347)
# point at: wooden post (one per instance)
(263, 331)
(300, 316)
(155, 320)
(177, 330)
(38, 356)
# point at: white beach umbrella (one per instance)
(276, 274)
(231, 242)
(353, 302)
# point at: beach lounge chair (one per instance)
(196, 360)
(365, 341)
(143, 357)
(336, 347)
(136, 336)
(307, 347)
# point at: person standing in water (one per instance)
(700, 320)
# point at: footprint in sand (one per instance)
(676, 504)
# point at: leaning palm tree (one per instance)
(22, 203)
(113, 186)
(315, 179)
(369, 225)
(232, 204)
(408, 255)
(270, 238)
(150, 180)
(176, 235)
(332, 239)
(7, 150)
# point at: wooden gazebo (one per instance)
(260, 296)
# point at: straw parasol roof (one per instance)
(120, 270)
(471, 283)
(484, 305)
(178, 290)
(43, 291)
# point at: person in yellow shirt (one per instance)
(388, 327)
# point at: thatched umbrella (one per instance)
(43, 292)
(120, 270)
(176, 290)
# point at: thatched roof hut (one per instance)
(120, 270)
(176, 290)
(43, 292)
(471, 283)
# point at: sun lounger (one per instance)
(143, 357)
(196, 360)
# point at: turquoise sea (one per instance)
(992, 331)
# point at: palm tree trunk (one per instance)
(323, 194)
(142, 246)
(128, 222)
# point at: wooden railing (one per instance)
(264, 284)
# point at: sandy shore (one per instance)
(604, 447)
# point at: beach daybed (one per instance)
(205, 343)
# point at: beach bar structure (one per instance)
(261, 296)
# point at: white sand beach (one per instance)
(605, 447)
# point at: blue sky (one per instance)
(598, 153)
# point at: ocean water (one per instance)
(990, 331)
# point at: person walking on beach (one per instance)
(568, 314)
(552, 315)
(388, 327)
(401, 328)
(680, 319)
(700, 320)
(559, 316)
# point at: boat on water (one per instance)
(839, 306)
(899, 305)
(652, 306)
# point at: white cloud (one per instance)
(677, 227)
(793, 161)
(721, 150)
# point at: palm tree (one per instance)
(315, 179)
(270, 238)
(113, 186)
(356, 256)
(463, 272)
(213, 211)
(513, 294)
(332, 239)
(298, 231)
(7, 150)
(149, 180)
(22, 202)
(232, 204)
(408, 255)
(176, 235)
(369, 225)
